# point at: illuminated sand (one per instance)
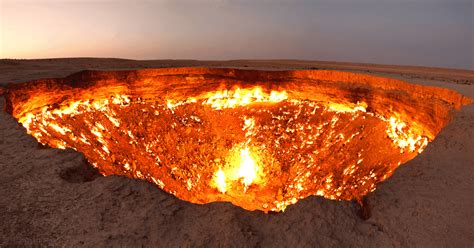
(261, 140)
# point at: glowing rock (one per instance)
(259, 139)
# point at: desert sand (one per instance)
(49, 197)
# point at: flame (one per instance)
(173, 104)
(248, 169)
(240, 97)
(220, 181)
(347, 108)
(240, 168)
(405, 137)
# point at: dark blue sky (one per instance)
(415, 32)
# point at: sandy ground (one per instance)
(48, 197)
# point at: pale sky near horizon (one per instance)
(436, 33)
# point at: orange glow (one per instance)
(241, 97)
(248, 169)
(220, 181)
(241, 168)
(404, 137)
(262, 146)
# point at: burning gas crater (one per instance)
(260, 140)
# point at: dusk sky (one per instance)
(413, 32)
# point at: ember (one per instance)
(261, 140)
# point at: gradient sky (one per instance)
(414, 32)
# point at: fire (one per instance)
(248, 169)
(404, 138)
(338, 107)
(262, 145)
(219, 180)
(240, 168)
(241, 97)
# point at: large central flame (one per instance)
(208, 136)
(248, 168)
(243, 168)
